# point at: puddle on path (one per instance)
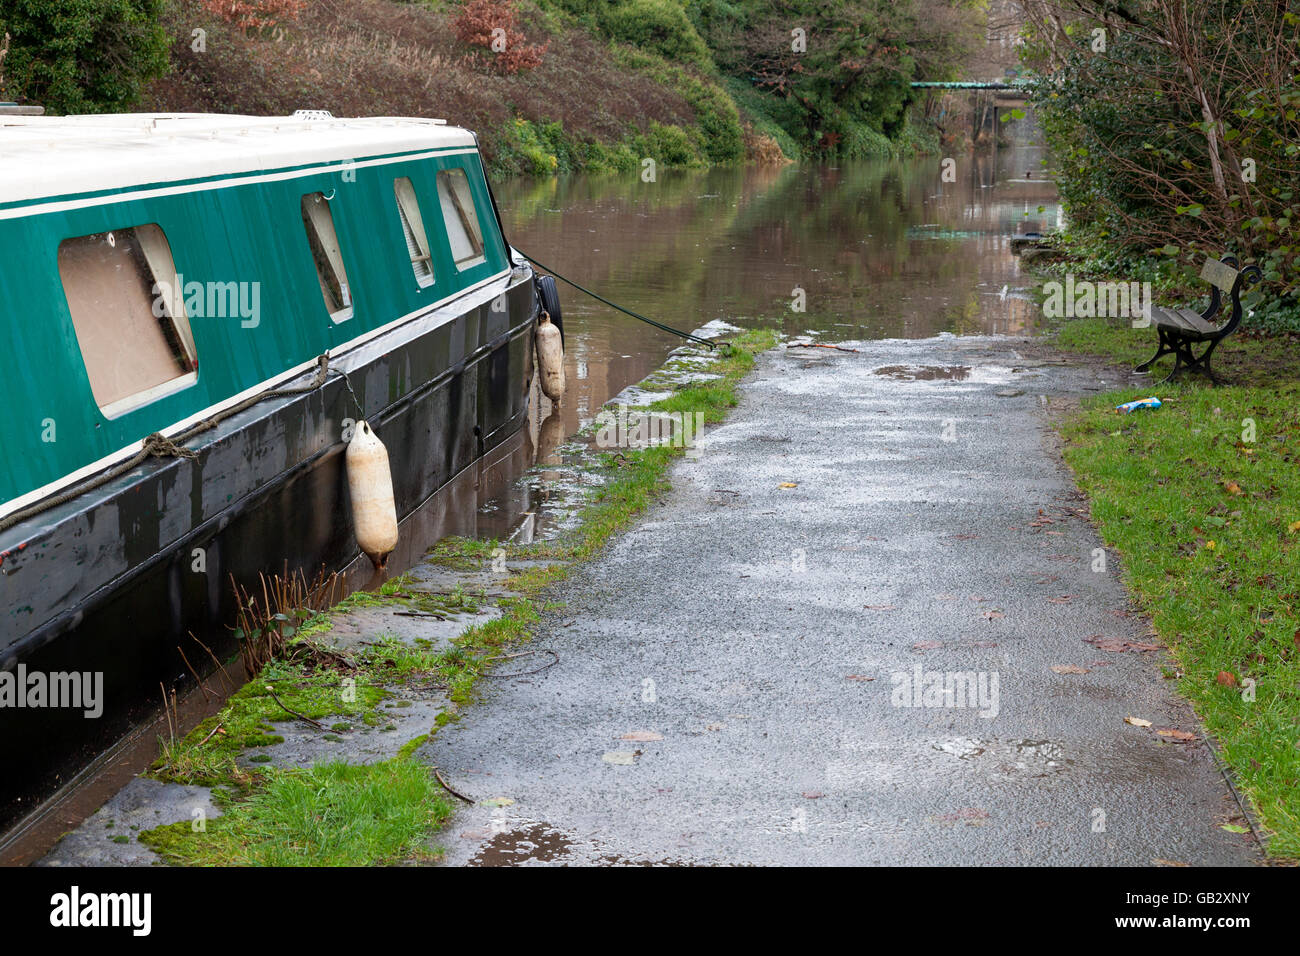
(529, 843)
(1014, 758)
(925, 373)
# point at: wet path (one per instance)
(770, 636)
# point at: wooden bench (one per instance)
(1180, 329)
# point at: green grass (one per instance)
(333, 814)
(207, 756)
(1201, 498)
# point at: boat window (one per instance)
(327, 255)
(129, 316)
(417, 240)
(462, 219)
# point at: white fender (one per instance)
(550, 358)
(370, 483)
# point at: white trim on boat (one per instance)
(38, 208)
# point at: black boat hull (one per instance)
(124, 582)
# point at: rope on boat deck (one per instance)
(614, 305)
(158, 445)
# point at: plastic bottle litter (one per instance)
(1133, 406)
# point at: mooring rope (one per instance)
(614, 305)
(496, 211)
(158, 445)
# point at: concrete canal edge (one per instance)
(398, 664)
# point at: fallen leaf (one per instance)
(858, 677)
(1069, 669)
(715, 726)
(1137, 721)
(993, 615)
(642, 735)
(1226, 679)
(927, 645)
(788, 484)
(813, 794)
(1175, 734)
(1063, 599)
(622, 758)
(1232, 488)
(1118, 645)
(1160, 862)
(496, 802)
(1233, 828)
(1293, 527)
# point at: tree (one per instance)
(837, 73)
(82, 56)
(1174, 125)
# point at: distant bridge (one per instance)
(971, 85)
(1004, 95)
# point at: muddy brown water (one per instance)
(864, 250)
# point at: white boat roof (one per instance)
(42, 156)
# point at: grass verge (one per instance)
(1201, 498)
(333, 814)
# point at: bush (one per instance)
(717, 135)
(666, 145)
(658, 26)
(1211, 167)
(255, 14)
(491, 25)
(758, 109)
(82, 56)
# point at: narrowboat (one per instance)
(197, 311)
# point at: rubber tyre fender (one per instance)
(549, 296)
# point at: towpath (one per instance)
(736, 675)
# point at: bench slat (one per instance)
(1187, 320)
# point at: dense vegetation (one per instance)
(1175, 131)
(80, 56)
(550, 84)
